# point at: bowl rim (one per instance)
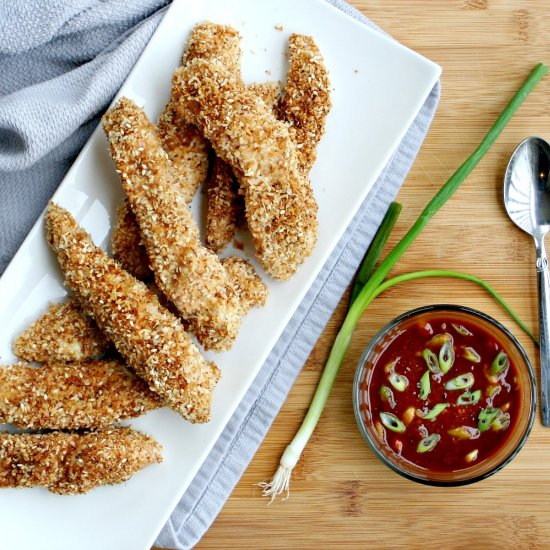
(462, 309)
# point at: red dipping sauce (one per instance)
(443, 393)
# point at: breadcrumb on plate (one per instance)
(71, 396)
(190, 275)
(151, 340)
(62, 334)
(72, 463)
(280, 207)
(306, 102)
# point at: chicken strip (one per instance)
(190, 275)
(246, 283)
(62, 334)
(70, 463)
(212, 41)
(151, 340)
(127, 247)
(72, 396)
(306, 102)
(280, 208)
(225, 205)
(187, 149)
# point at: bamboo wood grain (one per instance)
(341, 495)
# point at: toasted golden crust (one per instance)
(127, 247)
(187, 149)
(224, 206)
(62, 334)
(280, 207)
(306, 102)
(211, 41)
(70, 463)
(247, 284)
(151, 339)
(72, 396)
(189, 274)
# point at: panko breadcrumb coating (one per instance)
(247, 284)
(62, 334)
(72, 396)
(189, 274)
(212, 41)
(306, 101)
(280, 208)
(187, 149)
(151, 339)
(225, 206)
(127, 247)
(71, 463)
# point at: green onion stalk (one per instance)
(375, 285)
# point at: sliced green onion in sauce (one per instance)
(500, 362)
(464, 432)
(387, 395)
(493, 390)
(431, 361)
(392, 422)
(461, 329)
(424, 390)
(389, 367)
(472, 355)
(461, 382)
(501, 422)
(398, 381)
(446, 356)
(469, 398)
(428, 443)
(431, 414)
(486, 417)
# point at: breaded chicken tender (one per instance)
(212, 41)
(189, 274)
(151, 340)
(72, 396)
(187, 149)
(71, 463)
(306, 101)
(247, 284)
(226, 211)
(223, 206)
(127, 247)
(280, 208)
(62, 334)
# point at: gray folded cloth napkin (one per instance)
(62, 61)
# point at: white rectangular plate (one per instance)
(378, 88)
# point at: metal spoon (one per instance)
(527, 201)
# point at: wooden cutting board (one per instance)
(341, 495)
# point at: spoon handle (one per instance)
(544, 330)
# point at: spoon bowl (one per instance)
(527, 201)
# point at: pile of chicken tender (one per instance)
(128, 339)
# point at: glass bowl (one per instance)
(378, 441)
